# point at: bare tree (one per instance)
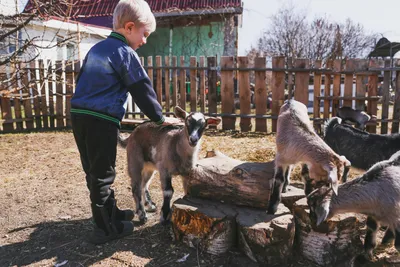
(291, 35)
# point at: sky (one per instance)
(380, 16)
(376, 16)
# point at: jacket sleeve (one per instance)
(145, 98)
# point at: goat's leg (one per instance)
(135, 172)
(287, 178)
(388, 237)
(397, 238)
(370, 237)
(168, 192)
(279, 180)
(305, 174)
(147, 177)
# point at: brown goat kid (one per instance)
(171, 150)
(296, 141)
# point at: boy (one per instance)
(110, 70)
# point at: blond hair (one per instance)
(137, 11)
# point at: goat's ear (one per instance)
(321, 212)
(180, 113)
(213, 121)
(332, 177)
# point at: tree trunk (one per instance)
(217, 227)
(333, 243)
(222, 178)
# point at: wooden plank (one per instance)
(372, 91)
(278, 88)
(290, 78)
(167, 85)
(174, 82)
(337, 66)
(43, 101)
(59, 94)
(385, 97)
(348, 82)
(317, 93)
(301, 81)
(159, 80)
(6, 114)
(360, 84)
(327, 90)
(396, 106)
(27, 103)
(151, 80)
(69, 87)
(193, 84)
(18, 113)
(52, 90)
(260, 94)
(202, 85)
(35, 74)
(244, 94)
(212, 84)
(182, 84)
(227, 94)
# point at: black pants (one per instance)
(97, 143)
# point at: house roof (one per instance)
(385, 48)
(105, 8)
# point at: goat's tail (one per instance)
(122, 141)
(329, 124)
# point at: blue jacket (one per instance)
(110, 70)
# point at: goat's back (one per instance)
(361, 148)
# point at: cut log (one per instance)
(233, 181)
(217, 227)
(333, 243)
(266, 239)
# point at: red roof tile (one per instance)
(87, 9)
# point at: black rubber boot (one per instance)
(106, 227)
(121, 215)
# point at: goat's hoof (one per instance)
(165, 221)
(151, 208)
(272, 209)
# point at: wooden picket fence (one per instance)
(36, 96)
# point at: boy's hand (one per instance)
(173, 121)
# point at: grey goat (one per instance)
(363, 149)
(359, 117)
(296, 141)
(172, 150)
(376, 194)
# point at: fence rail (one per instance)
(37, 95)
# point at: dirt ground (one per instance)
(45, 211)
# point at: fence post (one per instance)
(360, 84)
(278, 88)
(227, 93)
(193, 84)
(159, 79)
(167, 85)
(317, 94)
(385, 97)
(202, 86)
(327, 90)
(348, 83)
(372, 91)
(59, 93)
(260, 94)
(212, 85)
(302, 80)
(182, 83)
(396, 106)
(174, 82)
(244, 94)
(27, 102)
(69, 85)
(337, 67)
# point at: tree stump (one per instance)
(222, 178)
(333, 243)
(217, 227)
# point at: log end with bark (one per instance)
(333, 243)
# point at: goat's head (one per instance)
(337, 171)
(195, 123)
(319, 203)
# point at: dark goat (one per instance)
(359, 117)
(361, 148)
